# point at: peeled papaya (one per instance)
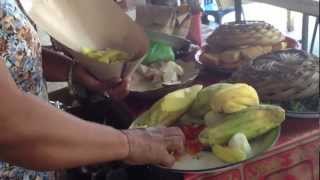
(252, 122)
(168, 109)
(234, 98)
(201, 105)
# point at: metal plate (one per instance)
(144, 89)
(301, 115)
(206, 162)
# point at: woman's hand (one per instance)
(115, 88)
(154, 146)
(57, 66)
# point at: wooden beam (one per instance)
(310, 7)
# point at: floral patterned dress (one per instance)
(21, 52)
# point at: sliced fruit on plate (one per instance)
(224, 98)
(240, 141)
(202, 103)
(234, 98)
(252, 122)
(228, 154)
(168, 109)
(181, 99)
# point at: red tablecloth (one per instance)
(294, 157)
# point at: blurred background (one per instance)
(215, 12)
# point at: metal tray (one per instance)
(206, 162)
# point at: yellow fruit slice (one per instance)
(107, 57)
(229, 155)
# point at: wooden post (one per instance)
(290, 21)
(238, 9)
(305, 32)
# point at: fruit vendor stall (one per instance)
(247, 99)
(294, 156)
(291, 153)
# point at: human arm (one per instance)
(35, 135)
(38, 136)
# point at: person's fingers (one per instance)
(119, 92)
(175, 144)
(173, 138)
(127, 79)
(126, 84)
(85, 78)
(167, 160)
(171, 131)
(149, 146)
(92, 83)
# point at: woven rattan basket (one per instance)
(282, 75)
(246, 33)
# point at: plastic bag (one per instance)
(159, 51)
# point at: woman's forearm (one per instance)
(56, 66)
(35, 135)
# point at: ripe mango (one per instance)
(234, 98)
(168, 109)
